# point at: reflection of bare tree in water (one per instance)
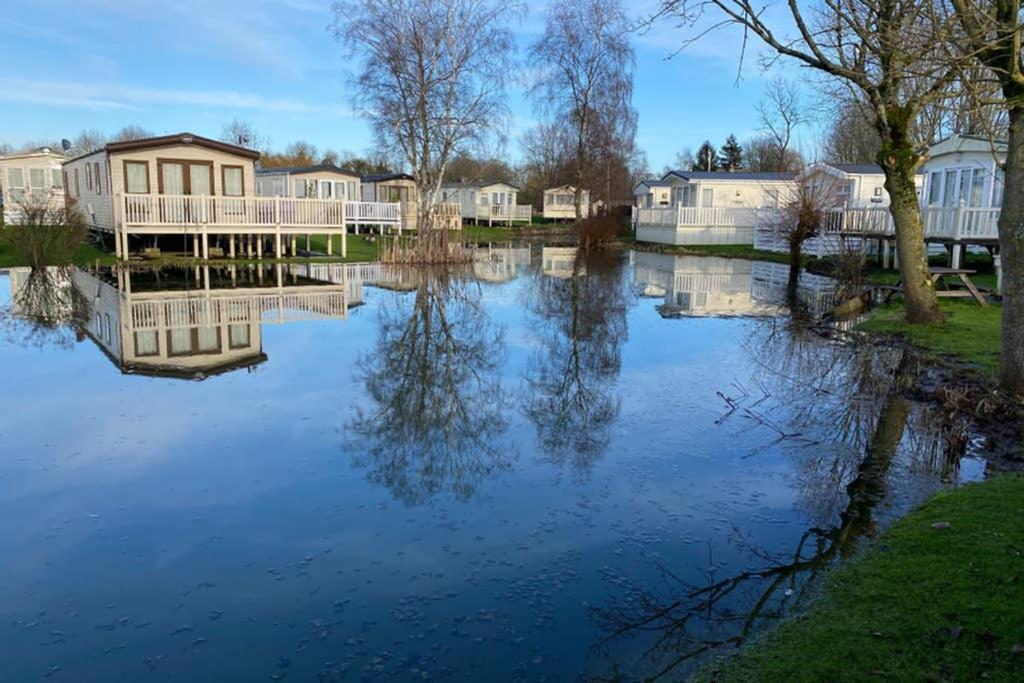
(850, 396)
(582, 325)
(47, 308)
(436, 400)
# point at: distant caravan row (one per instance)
(218, 198)
(960, 189)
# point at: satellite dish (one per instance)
(65, 144)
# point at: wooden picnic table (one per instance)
(941, 290)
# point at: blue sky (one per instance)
(196, 64)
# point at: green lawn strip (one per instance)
(922, 604)
(969, 332)
(741, 251)
(85, 254)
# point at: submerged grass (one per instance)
(923, 604)
(969, 333)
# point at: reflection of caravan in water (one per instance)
(560, 262)
(193, 323)
(710, 286)
(499, 264)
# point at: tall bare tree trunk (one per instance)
(899, 160)
(1011, 253)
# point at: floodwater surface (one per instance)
(547, 467)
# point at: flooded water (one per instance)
(554, 466)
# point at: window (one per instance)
(977, 187)
(339, 190)
(997, 189)
(949, 189)
(325, 190)
(352, 190)
(37, 178)
(707, 198)
(88, 176)
(238, 336)
(300, 188)
(77, 192)
(136, 174)
(56, 178)
(146, 343)
(472, 196)
(965, 186)
(98, 178)
(231, 179)
(15, 178)
(934, 188)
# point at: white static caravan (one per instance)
(848, 185)
(31, 177)
(711, 207)
(321, 181)
(185, 185)
(487, 201)
(964, 169)
(391, 188)
(650, 194)
(560, 203)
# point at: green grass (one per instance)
(85, 254)
(359, 249)
(741, 251)
(969, 333)
(922, 604)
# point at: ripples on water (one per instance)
(550, 466)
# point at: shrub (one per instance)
(47, 235)
(597, 231)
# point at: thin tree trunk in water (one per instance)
(795, 259)
(1011, 253)
(922, 304)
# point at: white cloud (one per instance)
(115, 96)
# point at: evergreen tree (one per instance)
(706, 158)
(732, 155)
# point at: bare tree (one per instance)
(547, 161)
(851, 138)
(993, 35)
(88, 140)
(887, 51)
(244, 134)
(131, 132)
(761, 154)
(585, 79)
(431, 78)
(781, 112)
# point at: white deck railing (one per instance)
(169, 211)
(504, 212)
(958, 223)
(696, 217)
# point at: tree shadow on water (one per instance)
(851, 410)
(570, 381)
(435, 409)
(47, 308)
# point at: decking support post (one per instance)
(344, 243)
(330, 243)
(307, 242)
(886, 254)
(125, 253)
(958, 249)
(997, 259)
(231, 246)
(259, 247)
(277, 244)
(206, 245)
(117, 243)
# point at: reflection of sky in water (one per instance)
(218, 530)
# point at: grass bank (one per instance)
(923, 604)
(969, 334)
(84, 255)
(740, 251)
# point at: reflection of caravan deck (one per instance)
(710, 286)
(698, 285)
(499, 264)
(193, 323)
(559, 261)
